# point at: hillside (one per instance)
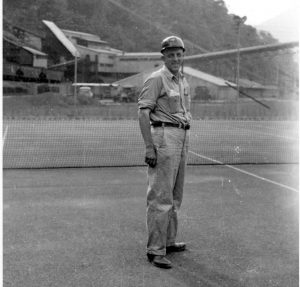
(140, 25)
(284, 27)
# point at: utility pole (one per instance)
(75, 86)
(238, 21)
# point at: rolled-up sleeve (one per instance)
(150, 92)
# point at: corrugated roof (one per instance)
(62, 38)
(137, 79)
(16, 43)
(187, 71)
(107, 51)
(67, 63)
(206, 77)
(143, 54)
(143, 75)
(83, 35)
(250, 84)
(34, 51)
(10, 37)
(29, 49)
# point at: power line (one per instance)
(156, 25)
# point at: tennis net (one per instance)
(45, 143)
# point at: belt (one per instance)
(164, 124)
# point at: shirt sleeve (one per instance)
(150, 93)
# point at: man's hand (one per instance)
(144, 121)
(151, 157)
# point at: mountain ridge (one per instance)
(284, 26)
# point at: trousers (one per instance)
(165, 187)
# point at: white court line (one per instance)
(271, 134)
(4, 136)
(267, 128)
(273, 129)
(245, 172)
(278, 136)
(283, 137)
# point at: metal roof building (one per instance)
(203, 86)
(190, 72)
(62, 38)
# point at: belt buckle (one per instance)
(186, 126)
(181, 126)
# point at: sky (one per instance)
(259, 11)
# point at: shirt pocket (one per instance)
(174, 102)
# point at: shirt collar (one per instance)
(167, 72)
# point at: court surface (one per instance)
(86, 227)
(94, 143)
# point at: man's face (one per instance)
(173, 59)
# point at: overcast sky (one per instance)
(258, 11)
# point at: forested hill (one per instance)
(139, 25)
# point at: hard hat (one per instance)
(172, 42)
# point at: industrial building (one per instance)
(66, 54)
(97, 61)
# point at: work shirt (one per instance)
(167, 97)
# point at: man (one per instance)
(164, 118)
(19, 74)
(43, 77)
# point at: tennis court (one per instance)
(86, 143)
(74, 205)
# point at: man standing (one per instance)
(164, 118)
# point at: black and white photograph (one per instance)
(150, 143)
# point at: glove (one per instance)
(151, 157)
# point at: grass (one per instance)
(45, 105)
(56, 106)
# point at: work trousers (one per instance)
(165, 187)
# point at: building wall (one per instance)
(96, 45)
(39, 61)
(210, 91)
(271, 93)
(55, 50)
(11, 52)
(105, 62)
(197, 86)
(261, 93)
(124, 65)
(202, 90)
(26, 58)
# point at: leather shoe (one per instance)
(176, 247)
(159, 261)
